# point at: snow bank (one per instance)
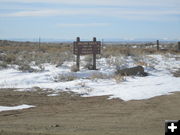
(135, 88)
(6, 108)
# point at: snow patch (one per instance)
(7, 108)
(159, 82)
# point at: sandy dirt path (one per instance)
(70, 114)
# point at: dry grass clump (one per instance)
(64, 78)
(89, 66)
(26, 68)
(88, 58)
(119, 78)
(141, 63)
(82, 84)
(99, 75)
(116, 61)
(176, 73)
(74, 68)
(8, 58)
(3, 65)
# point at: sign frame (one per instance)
(86, 48)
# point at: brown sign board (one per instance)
(87, 47)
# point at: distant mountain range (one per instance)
(107, 40)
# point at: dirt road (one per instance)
(70, 114)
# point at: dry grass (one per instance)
(64, 78)
(74, 68)
(3, 65)
(118, 50)
(23, 53)
(176, 73)
(116, 61)
(142, 63)
(88, 58)
(26, 68)
(119, 78)
(99, 75)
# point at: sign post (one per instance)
(157, 44)
(86, 48)
(178, 46)
(94, 55)
(78, 53)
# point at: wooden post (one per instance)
(39, 42)
(78, 54)
(178, 46)
(77, 61)
(78, 39)
(157, 44)
(102, 43)
(94, 55)
(94, 39)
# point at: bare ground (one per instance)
(70, 114)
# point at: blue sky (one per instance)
(108, 19)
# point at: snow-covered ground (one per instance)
(7, 108)
(159, 82)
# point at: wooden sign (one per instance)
(85, 48)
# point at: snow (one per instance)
(7, 108)
(159, 82)
(138, 88)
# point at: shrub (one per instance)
(41, 68)
(26, 52)
(3, 65)
(74, 68)
(176, 73)
(99, 76)
(64, 78)
(88, 58)
(10, 58)
(119, 78)
(141, 63)
(116, 61)
(59, 63)
(89, 66)
(26, 68)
